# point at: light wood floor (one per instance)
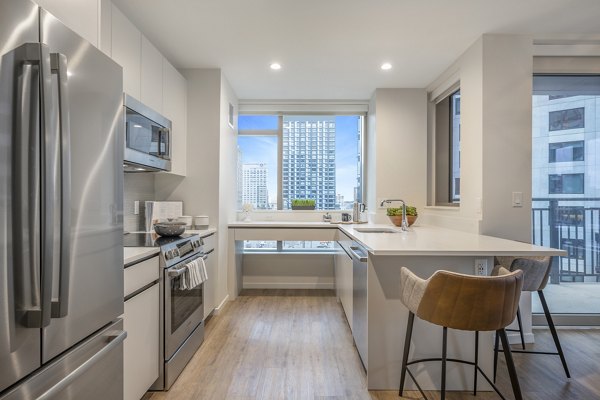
(284, 344)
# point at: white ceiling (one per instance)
(332, 49)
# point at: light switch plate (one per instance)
(136, 207)
(517, 199)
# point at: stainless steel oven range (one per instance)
(181, 310)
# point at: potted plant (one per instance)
(303, 204)
(395, 215)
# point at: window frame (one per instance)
(550, 149)
(550, 177)
(441, 131)
(279, 134)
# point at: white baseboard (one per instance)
(218, 309)
(515, 338)
(288, 285)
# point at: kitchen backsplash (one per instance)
(140, 187)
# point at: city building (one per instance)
(565, 189)
(309, 161)
(254, 190)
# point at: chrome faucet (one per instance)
(404, 226)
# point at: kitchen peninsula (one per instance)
(424, 249)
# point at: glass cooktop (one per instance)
(143, 239)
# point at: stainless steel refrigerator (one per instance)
(61, 197)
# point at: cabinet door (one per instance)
(80, 16)
(127, 50)
(151, 76)
(141, 358)
(175, 108)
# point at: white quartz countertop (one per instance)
(133, 254)
(283, 224)
(436, 241)
(420, 240)
(202, 233)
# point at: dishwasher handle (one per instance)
(356, 256)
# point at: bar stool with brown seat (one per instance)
(465, 302)
(536, 271)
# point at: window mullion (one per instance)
(280, 163)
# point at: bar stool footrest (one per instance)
(421, 360)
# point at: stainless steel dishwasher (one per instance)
(359, 300)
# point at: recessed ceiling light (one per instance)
(276, 66)
(386, 66)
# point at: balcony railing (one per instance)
(571, 224)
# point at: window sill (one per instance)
(443, 208)
(290, 252)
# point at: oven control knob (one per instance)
(167, 255)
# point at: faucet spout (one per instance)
(404, 226)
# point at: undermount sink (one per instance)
(375, 230)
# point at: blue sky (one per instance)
(263, 149)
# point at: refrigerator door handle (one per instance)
(26, 191)
(49, 161)
(58, 66)
(113, 342)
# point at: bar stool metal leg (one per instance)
(512, 373)
(444, 356)
(553, 331)
(476, 363)
(520, 327)
(407, 339)
(496, 355)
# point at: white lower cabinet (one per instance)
(141, 322)
(343, 279)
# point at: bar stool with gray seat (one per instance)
(465, 302)
(536, 271)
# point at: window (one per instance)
(447, 150)
(566, 119)
(575, 248)
(566, 151)
(300, 157)
(565, 184)
(287, 246)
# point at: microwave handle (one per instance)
(161, 139)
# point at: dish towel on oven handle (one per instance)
(194, 275)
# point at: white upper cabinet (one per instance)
(82, 16)
(152, 76)
(174, 91)
(126, 42)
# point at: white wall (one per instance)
(290, 271)
(396, 149)
(507, 115)
(209, 186)
(495, 81)
(227, 179)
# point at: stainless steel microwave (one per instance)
(147, 138)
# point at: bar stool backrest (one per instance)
(536, 270)
(471, 303)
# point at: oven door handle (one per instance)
(173, 272)
(177, 272)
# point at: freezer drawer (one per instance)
(93, 370)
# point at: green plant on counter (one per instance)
(303, 203)
(410, 210)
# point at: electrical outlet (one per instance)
(136, 207)
(481, 267)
